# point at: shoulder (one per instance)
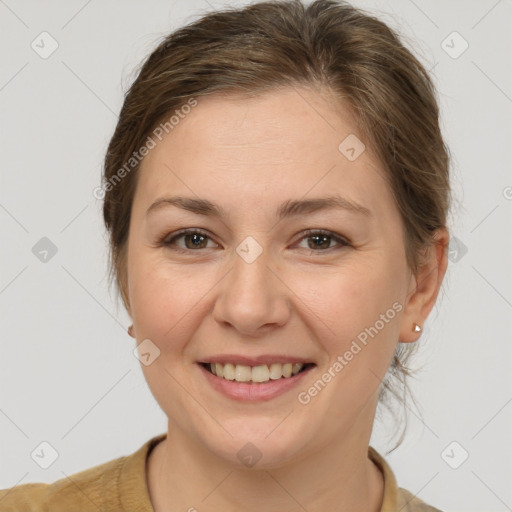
(396, 498)
(407, 502)
(119, 484)
(89, 490)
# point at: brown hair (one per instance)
(326, 45)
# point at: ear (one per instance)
(424, 286)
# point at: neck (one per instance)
(183, 475)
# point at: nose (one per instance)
(252, 298)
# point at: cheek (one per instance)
(165, 299)
(357, 296)
(359, 304)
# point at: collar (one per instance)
(134, 493)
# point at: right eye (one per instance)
(194, 239)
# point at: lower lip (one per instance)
(253, 391)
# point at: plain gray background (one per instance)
(68, 374)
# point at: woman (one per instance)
(276, 193)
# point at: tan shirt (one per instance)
(121, 485)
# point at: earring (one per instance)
(416, 328)
(130, 331)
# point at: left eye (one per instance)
(322, 238)
(197, 239)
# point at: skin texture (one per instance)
(249, 156)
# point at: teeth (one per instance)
(228, 371)
(242, 373)
(296, 368)
(276, 371)
(261, 373)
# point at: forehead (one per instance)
(290, 142)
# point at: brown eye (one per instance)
(193, 239)
(196, 240)
(320, 241)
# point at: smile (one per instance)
(254, 382)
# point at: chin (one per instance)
(257, 449)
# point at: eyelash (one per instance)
(168, 242)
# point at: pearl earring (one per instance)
(416, 328)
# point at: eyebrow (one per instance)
(289, 208)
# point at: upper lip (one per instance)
(254, 361)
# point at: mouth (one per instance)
(258, 374)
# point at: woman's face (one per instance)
(254, 287)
